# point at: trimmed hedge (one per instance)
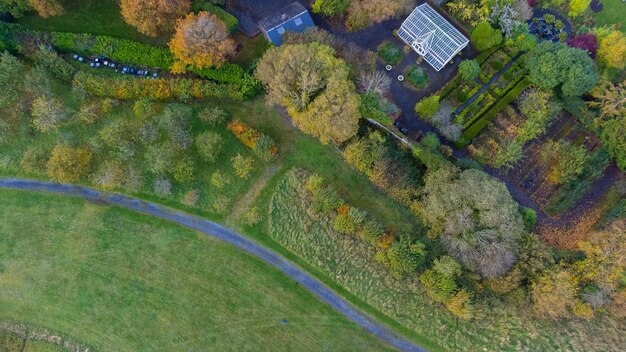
(125, 88)
(229, 20)
(481, 122)
(123, 50)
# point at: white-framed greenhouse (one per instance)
(432, 36)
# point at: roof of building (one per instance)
(281, 16)
(432, 36)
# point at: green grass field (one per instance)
(612, 13)
(116, 280)
(90, 16)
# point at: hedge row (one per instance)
(262, 145)
(123, 50)
(161, 89)
(481, 122)
(229, 20)
(126, 51)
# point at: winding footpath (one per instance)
(227, 235)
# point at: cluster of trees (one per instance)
(314, 87)
(403, 256)
(474, 217)
(556, 65)
(361, 13)
(389, 169)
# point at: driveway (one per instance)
(227, 235)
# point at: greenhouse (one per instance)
(432, 36)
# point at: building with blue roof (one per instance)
(293, 17)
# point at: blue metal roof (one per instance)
(291, 18)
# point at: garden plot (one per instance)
(554, 166)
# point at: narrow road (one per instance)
(224, 234)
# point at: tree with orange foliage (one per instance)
(154, 17)
(201, 40)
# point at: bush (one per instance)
(373, 108)
(266, 148)
(242, 165)
(162, 187)
(67, 164)
(530, 218)
(219, 179)
(183, 170)
(390, 53)
(416, 76)
(252, 216)
(220, 204)
(431, 141)
(469, 69)
(213, 115)
(191, 198)
(484, 36)
(209, 145)
(34, 159)
(427, 107)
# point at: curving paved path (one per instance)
(227, 235)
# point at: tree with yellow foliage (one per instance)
(201, 40)
(67, 164)
(612, 49)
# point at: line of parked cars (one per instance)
(101, 61)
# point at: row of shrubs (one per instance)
(262, 145)
(183, 89)
(123, 50)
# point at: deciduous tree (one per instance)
(313, 86)
(612, 49)
(554, 294)
(201, 40)
(330, 7)
(67, 164)
(154, 17)
(476, 218)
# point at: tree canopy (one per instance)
(202, 40)
(313, 85)
(555, 65)
(475, 217)
(154, 17)
(484, 36)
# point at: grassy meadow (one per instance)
(117, 280)
(348, 261)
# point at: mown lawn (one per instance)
(612, 13)
(90, 16)
(116, 280)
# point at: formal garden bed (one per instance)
(494, 63)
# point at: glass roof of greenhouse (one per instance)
(432, 36)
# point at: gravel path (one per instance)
(224, 234)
